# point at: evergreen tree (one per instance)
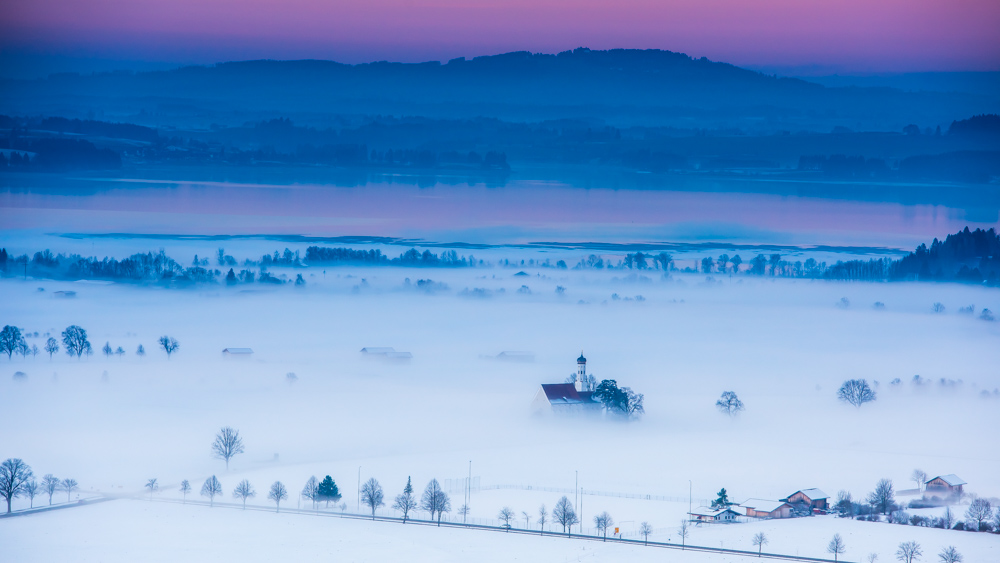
(328, 491)
(722, 501)
(230, 277)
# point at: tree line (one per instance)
(74, 341)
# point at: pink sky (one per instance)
(847, 35)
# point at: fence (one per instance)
(637, 496)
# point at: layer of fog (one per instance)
(783, 345)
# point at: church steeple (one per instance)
(582, 384)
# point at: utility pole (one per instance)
(689, 497)
(468, 494)
(581, 512)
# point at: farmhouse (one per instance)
(760, 508)
(237, 352)
(813, 499)
(568, 398)
(944, 486)
(706, 514)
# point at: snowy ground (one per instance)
(782, 345)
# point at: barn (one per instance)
(760, 508)
(944, 486)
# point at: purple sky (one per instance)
(842, 35)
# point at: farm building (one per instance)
(944, 486)
(760, 508)
(707, 514)
(237, 352)
(809, 498)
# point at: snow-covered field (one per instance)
(782, 345)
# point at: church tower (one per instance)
(582, 384)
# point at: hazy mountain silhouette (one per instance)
(619, 86)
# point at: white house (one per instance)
(568, 398)
(707, 514)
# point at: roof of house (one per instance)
(566, 393)
(813, 494)
(713, 512)
(377, 350)
(951, 479)
(237, 351)
(763, 505)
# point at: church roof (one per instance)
(566, 393)
(581, 359)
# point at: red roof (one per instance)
(566, 393)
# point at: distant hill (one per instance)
(620, 87)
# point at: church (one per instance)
(574, 397)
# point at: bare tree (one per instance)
(950, 555)
(120, 352)
(69, 485)
(505, 516)
(980, 511)
(435, 501)
(10, 340)
(75, 340)
(371, 495)
(169, 345)
(50, 484)
(602, 522)
(872, 557)
(542, 518)
(463, 511)
(856, 392)
(564, 514)
(244, 490)
(729, 404)
(227, 445)
(759, 541)
(908, 552)
(211, 489)
(406, 502)
(153, 486)
(919, 476)
(645, 529)
(107, 349)
(185, 489)
(311, 491)
(948, 518)
(882, 498)
(14, 474)
(277, 493)
(836, 546)
(31, 489)
(51, 346)
(684, 531)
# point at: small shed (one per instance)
(707, 514)
(760, 508)
(813, 498)
(944, 486)
(237, 352)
